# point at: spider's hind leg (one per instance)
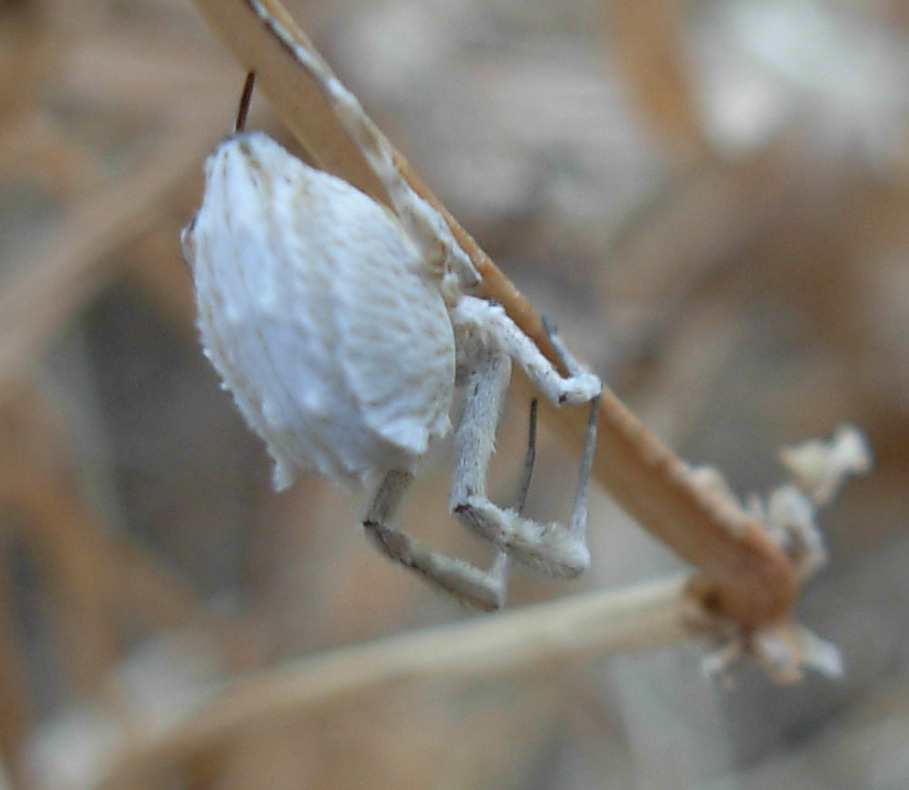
(551, 548)
(469, 584)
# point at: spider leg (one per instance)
(550, 547)
(469, 584)
(570, 364)
(578, 526)
(487, 319)
(501, 566)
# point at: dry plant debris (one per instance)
(749, 267)
(745, 577)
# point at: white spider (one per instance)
(342, 329)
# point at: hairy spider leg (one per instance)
(472, 316)
(578, 526)
(471, 585)
(487, 340)
(502, 564)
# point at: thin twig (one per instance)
(596, 623)
(745, 575)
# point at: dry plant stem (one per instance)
(35, 301)
(16, 711)
(528, 638)
(745, 576)
(61, 532)
(651, 52)
(24, 55)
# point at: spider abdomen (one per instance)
(319, 314)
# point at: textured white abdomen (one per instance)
(319, 314)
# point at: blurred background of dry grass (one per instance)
(711, 199)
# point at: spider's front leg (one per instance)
(486, 340)
(489, 321)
